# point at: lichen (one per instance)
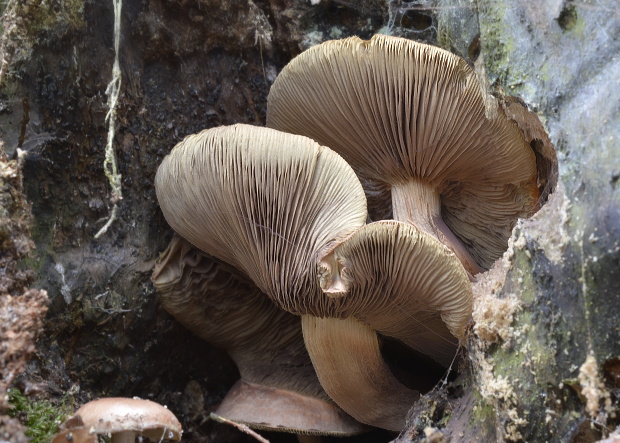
(493, 315)
(548, 227)
(498, 391)
(496, 55)
(593, 390)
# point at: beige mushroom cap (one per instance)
(117, 414)
(399, 110)
(263, 201)
(279, 389)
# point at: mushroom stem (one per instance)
(419, 203)
(348, 362)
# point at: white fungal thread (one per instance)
(65, 290)
(113, 90)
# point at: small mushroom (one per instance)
(279, 389)
(123, 419)
(416, 120)
(273, 205)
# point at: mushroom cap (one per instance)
(271, 409)
(404, 284)
(75, 435)
(396, 109)
(266, 202)
(230, 312)
(279, 389)
(117, 414)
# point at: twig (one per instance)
(242, 428)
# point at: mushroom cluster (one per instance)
(416, 121)
(291, 215)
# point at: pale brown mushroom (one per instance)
(273, 205)
(264, 201)
(121, 418)
(416, 120)
(393, 278)
(401, 282)
(279, 389)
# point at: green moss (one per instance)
(41, 417)
(26, 23)
(496, 43)
(580, 28)
(69, 13)
(483, 412)
(444, 39)
(529, 363)
(498, 46)
(444, 420)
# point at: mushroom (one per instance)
(403, 283)
(273, 205)
(122, 418)
(264, 201)
(279, 389)
(416, 120)
(393, 278)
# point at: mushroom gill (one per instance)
(416, 120)
(279, 389)
(265, 202)
(392, 278)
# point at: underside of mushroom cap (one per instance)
(396, 109)
(230, 312)
(75, 435)
(279, 389)
(262, 407)
(404, 284)
(263, 201)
